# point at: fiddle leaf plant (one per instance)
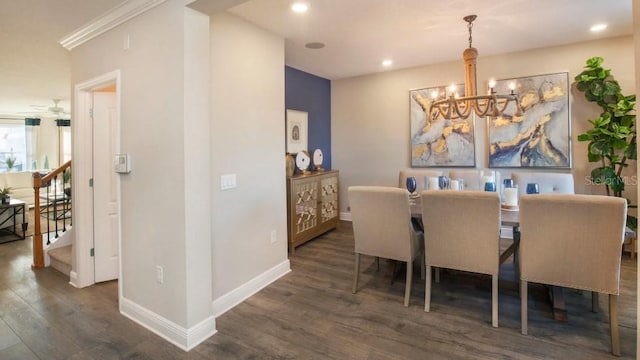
(612, 139)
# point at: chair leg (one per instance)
(613, 323)
(427, 289)
(393, 271)
(377, 263)
(407, 287)
(594, 301)
(516, 240)
(437, 275)
(494, 300)
(523, 307)
(355, 275)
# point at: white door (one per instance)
(105, 186)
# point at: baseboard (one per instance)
(243, 292)
(73, 279)
(185, 339)
(346, 216)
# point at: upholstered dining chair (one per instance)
(462, 232)
(421, 175)
(549, 183)
(382, 227)
(573, 241)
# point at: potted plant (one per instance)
(5, 197)
(612, 139)
(10, 161)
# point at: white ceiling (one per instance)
(34, 68)
(359, 34)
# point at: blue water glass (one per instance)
(507, 183)
(489, 186)
(411, 184)
(443, 182)
(533, 188)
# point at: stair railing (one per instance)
(54, 205)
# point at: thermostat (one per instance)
(122, 163)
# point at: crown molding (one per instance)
(114, 17)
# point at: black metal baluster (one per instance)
(46, 211)
(55, 204)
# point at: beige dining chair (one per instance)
(573, 241)
(462, 232)
(382, 227)
(422, 177)
(549, 183)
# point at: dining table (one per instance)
(509, 218)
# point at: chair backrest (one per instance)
(549, 183)
(462, 230)
(381, 221)
(572, 240)
(472, 178)
(422, 177)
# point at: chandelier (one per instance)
(454, 107)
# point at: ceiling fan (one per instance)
(49, 111)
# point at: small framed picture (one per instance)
(297, 131)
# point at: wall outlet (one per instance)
(159, 274)
(274, 237)
(228, 181)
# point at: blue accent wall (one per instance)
(310, 93)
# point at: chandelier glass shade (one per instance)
(450, 106)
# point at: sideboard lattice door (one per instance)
(329, 188)
(306, 216)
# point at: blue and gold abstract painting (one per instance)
(442, 142)
(540, 138)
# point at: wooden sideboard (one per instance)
(312, 206)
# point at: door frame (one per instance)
(83, 267)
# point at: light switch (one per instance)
(227, 181)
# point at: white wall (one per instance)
(197, 170)
(181, 138)
(370, 114)
(161, 186)
(247, 131)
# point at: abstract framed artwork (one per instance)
(297, 131)
(439, 143)
(540, 138)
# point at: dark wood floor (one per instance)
(311, 314)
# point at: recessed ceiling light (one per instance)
(299, 7)
(387, 62)
(314, 45)
(598, 27)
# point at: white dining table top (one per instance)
(508, 217)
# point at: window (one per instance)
(65, 143)
(13, 145)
